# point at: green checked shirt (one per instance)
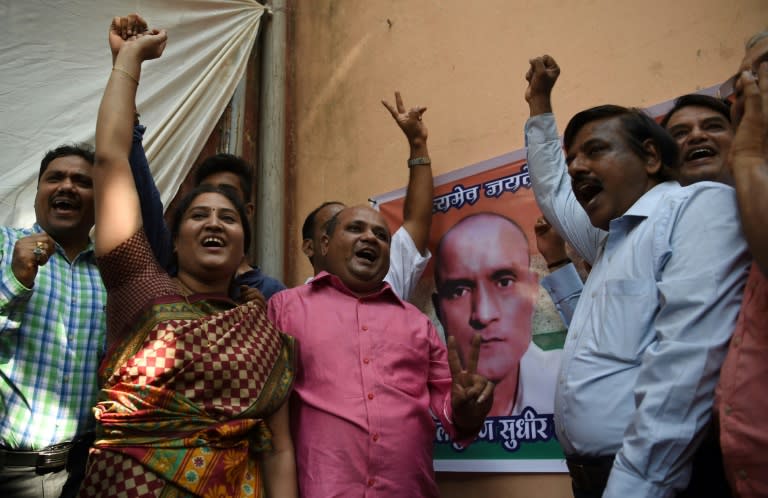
(51, 343)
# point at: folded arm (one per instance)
(14, 295)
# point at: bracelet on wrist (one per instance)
(418, 161)
(560, 262)
(121, 70)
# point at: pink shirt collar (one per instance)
(324, 278)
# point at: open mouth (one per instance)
(367, 254)
(699, 153)
(586, 189)
(213, 242)
(64, 204)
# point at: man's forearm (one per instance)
(751, 193)
(417, 209)
(151, 204)
(540, 105)
(13, 300)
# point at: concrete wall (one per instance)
(466, 61)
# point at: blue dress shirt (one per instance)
(564, 286)
(652, 325)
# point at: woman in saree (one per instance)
(194, 387)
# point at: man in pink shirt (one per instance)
(372, 371)
(741, 402)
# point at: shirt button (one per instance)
(562, 380)
(365, 327)
(371, 482)
(737, 341)
(727, 409)
(375, 437)
(370, 395)
(366, 361)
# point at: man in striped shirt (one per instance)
(51, 333)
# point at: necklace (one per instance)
(186, 291)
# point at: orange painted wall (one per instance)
(465, 61)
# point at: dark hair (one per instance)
(228, 163)
(308, 228)
(81, 150)
(721, 106)
(636, 128)
(330, 227)
(229, 193)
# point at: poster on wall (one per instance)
(484, 278)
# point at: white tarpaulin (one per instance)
(54, 64)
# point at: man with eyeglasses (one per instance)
(740, 401)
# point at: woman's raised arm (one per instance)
(118, 214)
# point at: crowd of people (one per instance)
(155, 360)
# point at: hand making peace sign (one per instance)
(471, 393)
(409, 121)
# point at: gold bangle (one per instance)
(120, 69)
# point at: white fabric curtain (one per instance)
(54, 64)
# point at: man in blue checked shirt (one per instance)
(51, 333)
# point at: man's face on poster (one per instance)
(484, 285)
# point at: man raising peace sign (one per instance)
(370, 369)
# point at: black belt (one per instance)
(589, 474)
(49, 458)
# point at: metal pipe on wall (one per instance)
(270, 177)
